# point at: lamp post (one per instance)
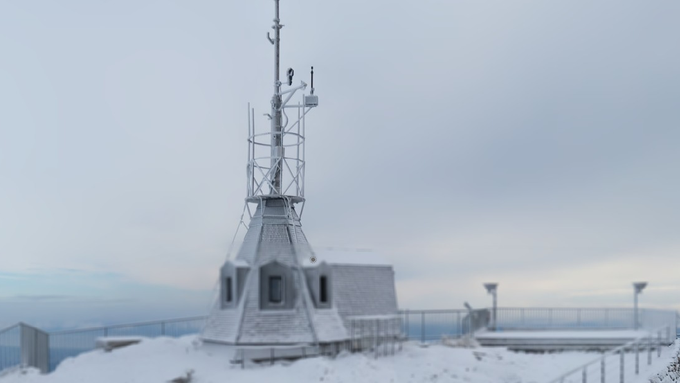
(492, 288)
(639, 286)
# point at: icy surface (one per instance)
(164, 359)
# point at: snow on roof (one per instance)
(346, 257)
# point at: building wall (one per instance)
(364, 290)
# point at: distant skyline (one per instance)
(529, 143)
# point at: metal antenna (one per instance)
(277, 135)
(272, 172)
(312, 90)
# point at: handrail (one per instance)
(607, 354)
(4, 330)
(443, 311)
(123, 325)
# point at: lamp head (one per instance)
(639, 286)
(491, 287)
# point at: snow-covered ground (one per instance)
(163, 359)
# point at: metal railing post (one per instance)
(585, 375)
(375, 338)
(649, 350)
(658, 347)
(602, 371)
(422, 327)
(637, 358)
(622, 365)
(351, 344)
(408, 333)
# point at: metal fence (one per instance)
(621, 364)
(432, 325)
(23, 345)
(583, 319)
(420, 325)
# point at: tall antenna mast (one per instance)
(275, 173)
(277, 137)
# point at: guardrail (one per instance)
(582, 318)
(432, 325)
(422, 325)
(23, 345)
(619, 364)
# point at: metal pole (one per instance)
(637, 358)
(408, 333)
(602, 371)
(649, 350)
(495, 309)
(351, 344)
(422, 327)
(375, 337)
(585, 375)
(635, 309)
(276, 131)
(621, 367)
(658, 347)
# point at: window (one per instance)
(228, 294)
(323, 289)
(275, 289)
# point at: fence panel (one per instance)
(65, 344)
(431, 325)
(10, 347)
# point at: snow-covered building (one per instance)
(277, 290)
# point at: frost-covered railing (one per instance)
(433, 325)
(421, 325)
(380, 334)
(24, 346)
(525, 318)
(621, 363)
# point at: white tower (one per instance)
(277, 290)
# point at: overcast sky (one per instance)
(530, 143)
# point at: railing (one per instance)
(620, 364)
(24, 345)
(10, 347)
(382, 335)
(18, 347)
(378, 335)
(420, 325)
(432, 325)
(582, 319)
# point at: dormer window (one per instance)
(323, 289)
(275, 289)
(228, 292)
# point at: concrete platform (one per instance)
(541, 341)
